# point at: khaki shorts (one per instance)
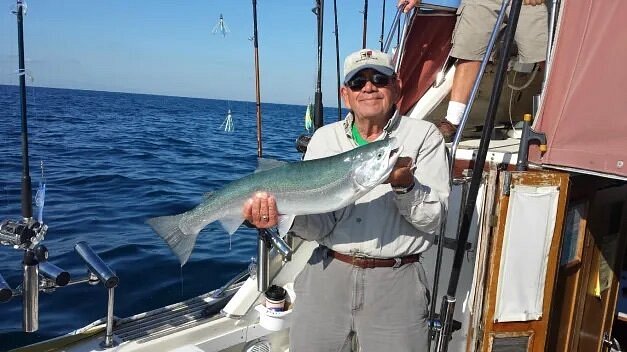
(475, 22)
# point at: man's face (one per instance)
(371, 100)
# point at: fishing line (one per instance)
(181, 277)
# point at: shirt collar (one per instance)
(389, 126)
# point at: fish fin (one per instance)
(264, 164)
(207, 195)
(231, 224)
(167, 227)
(285, 223)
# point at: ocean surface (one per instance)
(111, 161)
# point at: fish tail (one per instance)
(181, 243)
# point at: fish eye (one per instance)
(379, 155)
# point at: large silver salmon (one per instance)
(306, 187)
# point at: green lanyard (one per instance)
(357, 137)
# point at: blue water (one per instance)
(112, 160)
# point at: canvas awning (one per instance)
(428, 46)
(584, 109)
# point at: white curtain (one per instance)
(527, 240)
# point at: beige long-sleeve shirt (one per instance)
(382, 223)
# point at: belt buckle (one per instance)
(357, 258)
(397, 263)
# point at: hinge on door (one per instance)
(507, 183)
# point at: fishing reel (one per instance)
(24, 234)
(302, 142)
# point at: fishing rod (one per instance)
(318, 111)
(266, 239)
(365, 24)
(337, 63)
(263, 242)
(27, 197)
(257, 89)
(448, 302)
(475, 89)
(382, 25)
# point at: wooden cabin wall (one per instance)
(588, 278)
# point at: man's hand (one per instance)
(407, 5)
(260, 210)
(533, 2)
(403, 173)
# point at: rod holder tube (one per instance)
(280, 245)
(263, 262)
(54, 273)
(96, 265)
(5, 291)
(30, 293)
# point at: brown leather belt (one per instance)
(369, 263)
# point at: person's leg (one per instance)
(322, 315)
(394, 311)
(465, 75)
(475, 23)
(532, 34)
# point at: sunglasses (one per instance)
(378, 79)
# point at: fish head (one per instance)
(373, 163)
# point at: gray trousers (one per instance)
(385, 308)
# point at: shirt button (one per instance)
(358, 220)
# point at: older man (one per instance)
(365, 279)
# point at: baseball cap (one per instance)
(367, 58)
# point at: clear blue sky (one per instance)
(166, 47)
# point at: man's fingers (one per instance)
(407, 5)
(256, 211)
(261, 210)
(247, 211)
(272, 211)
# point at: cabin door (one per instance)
(523, 260)
(602, 262)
